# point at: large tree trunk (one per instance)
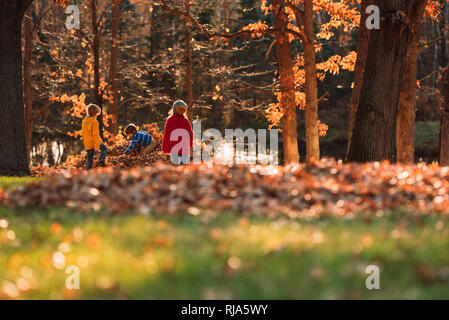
(188, 57)
(362, 52)
(311, 86)
(406, 109)
(113, 65)
(287, 86)
(374, 131)
(96, 55)
(13, 156)
(444, 126)
(27, 94)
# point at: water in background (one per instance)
(49, 153)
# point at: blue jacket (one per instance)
(140, 138)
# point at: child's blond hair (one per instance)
(93, 110)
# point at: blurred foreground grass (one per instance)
(12, 182)
(223, 257)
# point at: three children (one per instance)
(91, 136)
(177, 141)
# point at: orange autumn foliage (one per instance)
(344, 16)
(433, 9)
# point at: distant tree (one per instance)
(297, 23)
(444, 126)
(311, 84)
(405, 135)
(114, 55)
(95, 25)
(287, 84)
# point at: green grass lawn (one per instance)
(227, 256)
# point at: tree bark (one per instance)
(311, 86)
(374, 131)
(443, 33)
(13, 157)
(27, 94)
(287, 86)
(96, 55)
(362, 52)
(405, 134)
(444, 125)
(150, 28)
(188, 57)
(113, 66)
(436, 52)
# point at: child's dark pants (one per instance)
(90, 156)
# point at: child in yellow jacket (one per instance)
(91, 136)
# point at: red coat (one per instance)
(176, 121)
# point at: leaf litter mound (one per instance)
(304, 190)
(116, 156)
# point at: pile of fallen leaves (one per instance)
(306, 190)
(116, 156)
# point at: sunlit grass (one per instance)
(191, 257)
(14, 182)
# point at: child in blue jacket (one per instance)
(141, 138)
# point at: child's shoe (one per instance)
(101, 164)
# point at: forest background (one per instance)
(234, 78)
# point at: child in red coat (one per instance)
(178, 135)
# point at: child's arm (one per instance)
(133, 143)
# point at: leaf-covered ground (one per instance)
(200, 232)
(305, 190)
(116, 157)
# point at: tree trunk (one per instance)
(150, 28)
(374, 131)
(27, 94)
(311, 86)
(13, 157)
(436, 53)
(228, 114)
(96, 55)
(444, 126)
(188, 57)
(405, 134)
(443, 33)
(362, 52)
(287, 86)
(113, 67)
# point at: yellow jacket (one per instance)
(91, 133)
